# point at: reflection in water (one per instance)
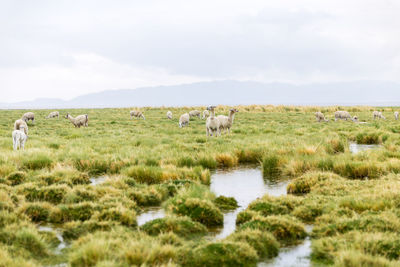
(58, 233)
(149, 215)
(355, 148)
(245, 185)
(294, 256)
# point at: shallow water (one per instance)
(355, 148)
(245, 185)
(98, 180)
(58, 233)
(149, 215)
(297, 256)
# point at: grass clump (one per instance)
(6, 259)
(37, 211)
(286, 230)
(245, 216)
(308, 212)
(223, 254)
(65, 175)
(122, 248)
(181, 226)
(249, 156)
(92, 166)
(75, 229)
(368, 138)
(267, 207)
(264, 243)
(226, 203)
(359, 170)
(226, 160)
(304, 183)
(16, 178)
(185, 162)
(31, 241)
(145, 174)
(25, 240)
(378, 244)
(80, 194)
(6, 201)
(53, 194)
(335, 146)
(37, 161)
(367, 223)
(203, 211)
(358, 259)
(118, 214)
(145, 198)
(270, 166)
(72, 212)
(207, 162)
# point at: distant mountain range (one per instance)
(230, 92)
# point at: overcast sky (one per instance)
(67, 48)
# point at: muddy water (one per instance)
(150, 214)
(355, 148)
(58, 233)
(245, 185)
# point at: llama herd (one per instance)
(20, 133)
(215, 125)
(344, 115)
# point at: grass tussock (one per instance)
(37, 161)
(181, 226)
(226, 160)
(270, 166)
(226, 203)
(202, 211)
(285, 229)
(264, 243)
(223, 254)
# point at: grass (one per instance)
(181, 226)
(351, 199)
(226, 203)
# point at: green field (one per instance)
(353, 200)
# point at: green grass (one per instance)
(351, 199)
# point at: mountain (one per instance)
(230, 92)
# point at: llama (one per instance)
(320, 117)
(78, 121)
(19, 138)
(184, 120)
(212, 123)
(28, 116)
(53, 115)
(227, 121)
(137, 114)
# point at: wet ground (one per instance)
(150, 214)
(58, 233)
(356, 148)
(245, 185)
(97, 180)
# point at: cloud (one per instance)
(48, 47)
(87, 73)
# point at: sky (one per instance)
(62, 49)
